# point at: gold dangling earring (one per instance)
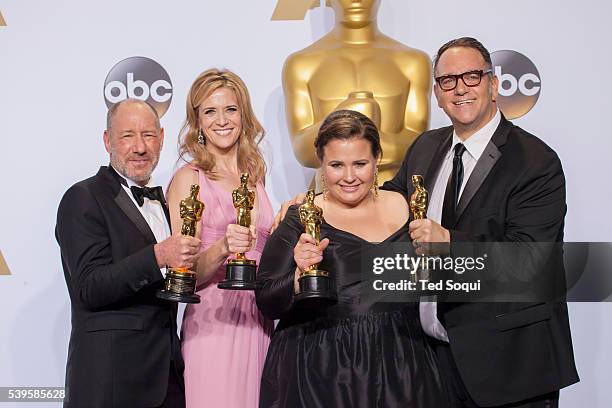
(201, 138)
(375, 184)
(323, 186)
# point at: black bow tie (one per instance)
(152, 193)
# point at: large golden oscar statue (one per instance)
(357, 67)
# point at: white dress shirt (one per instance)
(152, 211)
(474, 146)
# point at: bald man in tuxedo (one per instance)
(114, 233)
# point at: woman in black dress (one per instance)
(357, 351)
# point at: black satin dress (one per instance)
(353, 353)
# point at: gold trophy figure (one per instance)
(313, 282)
(419, 201)
(240, 273)
(180, 283)
(357, 67)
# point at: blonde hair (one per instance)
(250, 159)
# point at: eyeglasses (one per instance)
(470, 78)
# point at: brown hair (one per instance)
(344, 125)
(250, 159)
(467, 42)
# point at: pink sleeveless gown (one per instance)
(225, 337)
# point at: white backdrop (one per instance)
(55, 55)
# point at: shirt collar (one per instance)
(477, 143)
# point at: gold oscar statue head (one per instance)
(419, 199)
(417, 181)
(310, 196)
(356, 67)
(355, 13)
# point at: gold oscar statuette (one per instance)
(240, 273)
(419, 202)
(419, 199)
(180, 283)
(313, 282)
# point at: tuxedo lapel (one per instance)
(125, 203)
(483, 167)
(167, 213)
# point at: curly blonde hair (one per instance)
(250, 159)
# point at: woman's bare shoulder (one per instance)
(183, 179)
(393, 202)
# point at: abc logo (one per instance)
(141, 78)
(519, 83)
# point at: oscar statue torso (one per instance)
(364, 70)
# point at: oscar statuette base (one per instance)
(315, 285)
(240, 274)
(179, 286)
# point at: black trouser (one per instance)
(459, 396)
(175, 396)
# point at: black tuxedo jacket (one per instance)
(504, 352)
(123, 338)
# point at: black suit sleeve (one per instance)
(399, 183)
(84, 239)
(537, 210)
(277, 268)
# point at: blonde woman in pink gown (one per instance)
(225, 337)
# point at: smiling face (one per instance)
(220, 118)
(348, 168)
(469, 108)
(134, 141)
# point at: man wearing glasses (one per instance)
(489, 181)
